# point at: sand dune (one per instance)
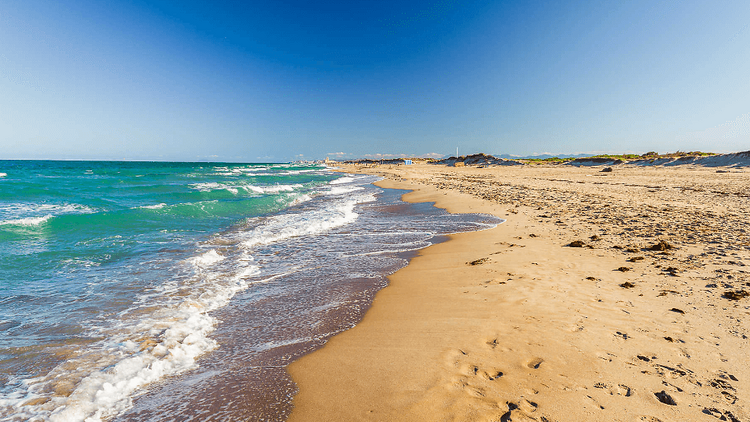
(613, 296)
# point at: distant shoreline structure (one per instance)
(699, 158)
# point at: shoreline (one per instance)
(536, 330)
(259, 333)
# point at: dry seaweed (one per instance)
(735, 295)
(661, 246)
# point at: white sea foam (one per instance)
(3, 174)
(340, 190)
(23, 211)
(293, 172)
(300, 199)
(280, 188)
(27, 222)
(176, 335)
(78, 262)
(340, 180)
(235, 188)
(168, 328)
(154, 207)
(306, 223)
(34, 215)
(56, 208)
(207, 259)
(281, 343)
(212, 186)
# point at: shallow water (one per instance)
(186, 286)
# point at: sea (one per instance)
(140, 291)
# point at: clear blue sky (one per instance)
(280, 80)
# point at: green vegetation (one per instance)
(651, 155)
(623, 157)
(678, 154)
(546, 160)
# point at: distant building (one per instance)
(408, 162)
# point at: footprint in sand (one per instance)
(527, 406)
(615, 390)
(490, 375)
(621, 335)
(595, 402)
(521, 411)
(723, 415)
(534, 363)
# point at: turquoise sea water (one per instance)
(116, 276)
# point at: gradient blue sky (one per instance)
(281, 80)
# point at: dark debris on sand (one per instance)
(736, 295)
(721, 415)
(665, 398)
(661, 246)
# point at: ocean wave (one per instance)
(235, 188)
(340, 190)
(153, 207)
(165, 341)
(293, 172)
(27, 222)
(35, 214)
(300, 199)
(207, 259)
(306, 223)
(3, 174)
(80, 262)
(239, 171)
(340, 180)
(160, 329)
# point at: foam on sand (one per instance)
(207, 259)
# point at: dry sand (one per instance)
(510, 324)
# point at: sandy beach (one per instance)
(605, 296)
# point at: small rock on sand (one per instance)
(665, 398)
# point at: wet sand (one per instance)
(513, 323)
